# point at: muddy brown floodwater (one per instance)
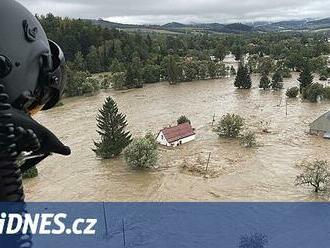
(236, 174)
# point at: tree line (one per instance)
(136, 58)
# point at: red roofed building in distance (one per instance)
(175, 136)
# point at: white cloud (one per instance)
(153, 11)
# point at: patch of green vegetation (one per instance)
(31, 173)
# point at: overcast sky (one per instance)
(186, 11)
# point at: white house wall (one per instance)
(161, 140)
(188, 139)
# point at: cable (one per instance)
(11, 185)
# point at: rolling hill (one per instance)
(296, 25)
(179, 28)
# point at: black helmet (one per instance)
(31, 66)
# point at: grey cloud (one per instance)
(153, 11)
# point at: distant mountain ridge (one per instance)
(296, 25)
(179, 27)
(176, 27)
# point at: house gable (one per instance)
(322, 123)
(161, 139)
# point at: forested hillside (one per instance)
(137, 58)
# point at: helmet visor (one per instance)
(53, 78)
(56, 77)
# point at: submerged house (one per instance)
(321, 126)
(175, 136)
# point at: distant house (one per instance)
(175, 136)
(213, 58)
(189, 59)
(326, 83)
(321, 126)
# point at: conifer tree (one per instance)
(305, 78)
(172, 70)
(78, 63)
(277, 77)
(220, 51)
(114, 137)
(93, 61)
(264, 82)
(212, 68)
(243, 79)
(183, 119)
(130, 77)
(277, 80)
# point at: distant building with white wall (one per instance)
(175, 136)
(213, 58)
(321, 126)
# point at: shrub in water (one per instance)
(313, 92)
(248, 139)
(141, 153)
(230, 126)
(292, 92)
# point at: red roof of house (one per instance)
(178, 132)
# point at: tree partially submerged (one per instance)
(305, 78)
(230, 126)
(142, 152)
(277, 80)
(292, 92)
(112, 125)
(264, 82)
(243, 78)
(173, 74)
(315, 174)
(183, 119)
(118, 80)
(248, 139)
(313, 92)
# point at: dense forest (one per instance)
(133, 59)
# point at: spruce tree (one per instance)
(172, 70)
(277, 77)
(111, 126)
(93, 61)
(305, 78)
(277, 80)
(137, 72)
(243, 79)
(264, 82)
(239, 76)
(130, 77)
(220, 51)
(78, 63)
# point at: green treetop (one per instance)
(111, 125)
(243, 78)
(305, 78)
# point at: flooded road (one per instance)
(263, 174)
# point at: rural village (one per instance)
(193, 116)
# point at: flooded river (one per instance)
(263, 174)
